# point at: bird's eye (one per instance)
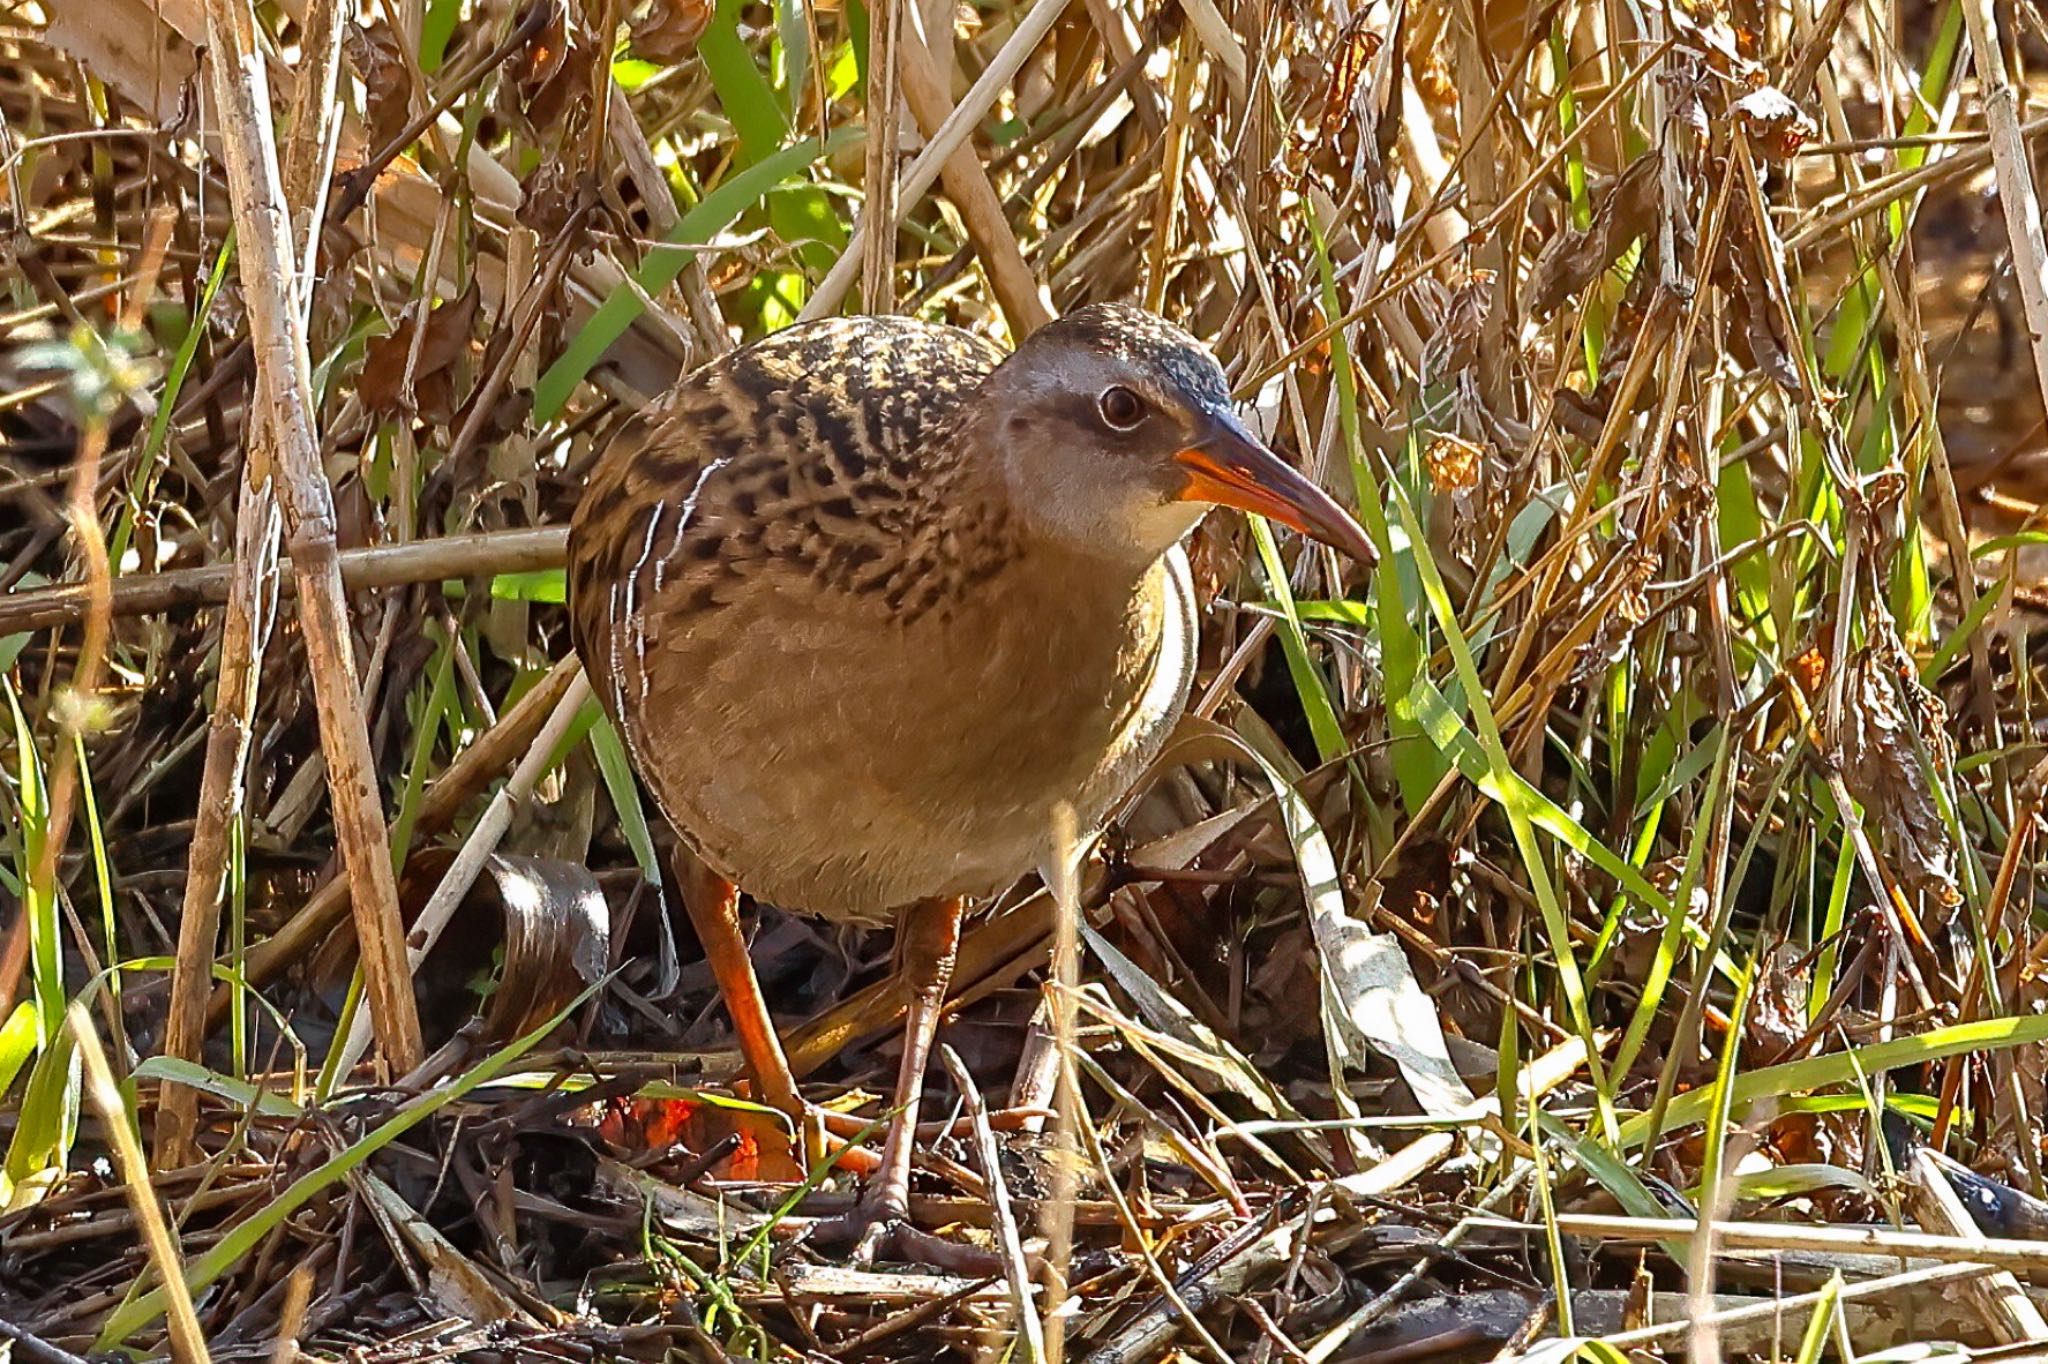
(1121, 408)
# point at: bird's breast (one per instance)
(829, 758)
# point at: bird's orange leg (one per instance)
(714, 906)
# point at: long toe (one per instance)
(879, 1232)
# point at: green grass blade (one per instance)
(712, 215)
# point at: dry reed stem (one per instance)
(2018, 196)
(277, 331)
(883, 120)
(1009, 1242)
(2030, 1257)
(251, 609)
(481, 554)
(967, 184)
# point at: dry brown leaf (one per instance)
(1455, 346)
(1626, 210)
(380, 65)
(1619, 624)
(382, 383)
(1893, 733)
(668, 32)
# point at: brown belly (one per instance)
(807, 761)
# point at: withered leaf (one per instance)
(380, 65)
(1618, 625)
(1893, 745)
(1355, 47)
(382, 383)
(1627, 209)
(1455, 346)
(669, 30)
(551, 76)
(550, 196)
(1778, 126)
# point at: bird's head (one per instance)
(1116, 434)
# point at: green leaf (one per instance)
(538, 584)
(17, 1042)
(624, 791)
(1844, 1067)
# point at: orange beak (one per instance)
(1230, 468)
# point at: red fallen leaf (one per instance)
(669, 31)
(1777, 125)
(762, 1151)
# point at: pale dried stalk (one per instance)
(284, 385)
(951, 136)
(2027, 1256)
(2017, 193)
(483, 553)
(251, 610)
(1009, 1243)
(188, 1342)
(1179, 111)
(878, 188)
(1056, 1214)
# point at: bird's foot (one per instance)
(879, 1230)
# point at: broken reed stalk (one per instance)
(284, 387)
(878, 189)
(251, 610)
